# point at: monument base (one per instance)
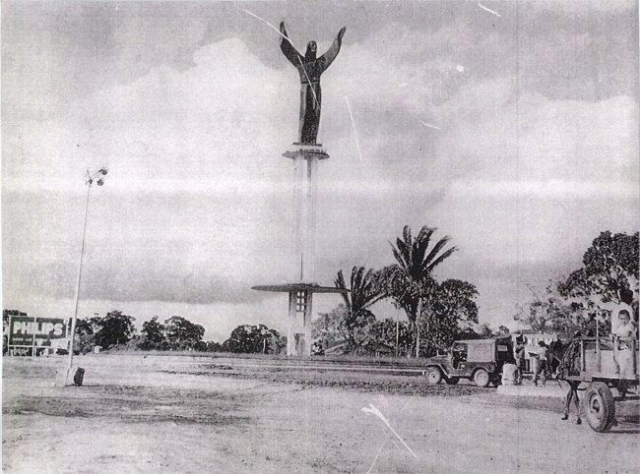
(306, 151)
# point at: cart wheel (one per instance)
(434, 376)
(600, 408)
(481, 378)
(452, 380)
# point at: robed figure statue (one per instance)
(310, 69)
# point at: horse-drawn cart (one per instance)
(603, 363)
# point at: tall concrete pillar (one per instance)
(312, 218)
(300, 211)
(305, 165)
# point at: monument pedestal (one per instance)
(306, 151)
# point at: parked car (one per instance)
(480, 360)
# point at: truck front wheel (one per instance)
(481, 378)
(434, 376)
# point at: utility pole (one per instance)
(90, 179)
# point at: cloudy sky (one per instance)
(510, 126)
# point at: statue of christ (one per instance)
(310, 69)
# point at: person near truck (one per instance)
(569, 366)
(521, 341)
(541, 366)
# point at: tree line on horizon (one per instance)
(438, 312)
(117, 330)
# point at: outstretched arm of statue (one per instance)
(287, 48)
(328, 57)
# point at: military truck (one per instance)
(480, 360)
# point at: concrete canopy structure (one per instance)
(300, 312)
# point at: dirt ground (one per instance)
(183, 414)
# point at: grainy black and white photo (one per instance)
(320, 236)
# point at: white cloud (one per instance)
(537, 198)
(580, 140)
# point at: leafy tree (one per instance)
(452, 303)
(329, 327)
(182, 333)
(365, 290)
(563, 315)
(152, 335)
(85, 331)
(115, 328)
(550, 314)
(609, 274)
(409, 282)
(455, 297)
(408, 295)
(249, 339)
(393, 337)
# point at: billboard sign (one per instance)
(27, 331)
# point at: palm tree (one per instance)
(364, 291)
(415, 264)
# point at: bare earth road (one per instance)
(137, 414)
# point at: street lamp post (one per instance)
(90, 179)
